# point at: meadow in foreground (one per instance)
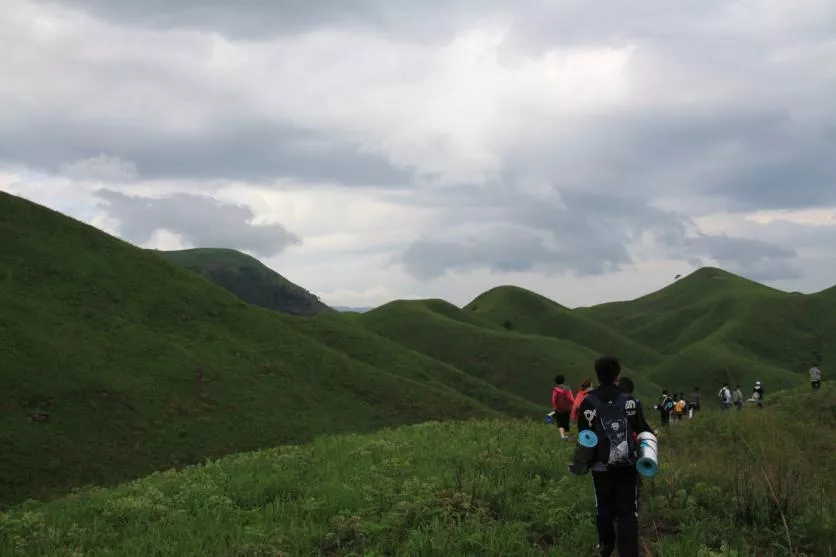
(748, 484)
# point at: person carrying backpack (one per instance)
(615, 418)
(679, 406)
(586, 386)
(562, 401)
(725, 397)
(626, 385)
(665, 406)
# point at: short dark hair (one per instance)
(607, 369)
(559, 379)
(586, 383)
(626, 385)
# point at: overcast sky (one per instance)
(377, 149)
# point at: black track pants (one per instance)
(617, 496)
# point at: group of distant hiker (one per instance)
(729, 398)
(676, 406)
(614, 420)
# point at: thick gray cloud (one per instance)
(568, 21)
(249, 17)
(252, 151)
(727, 103)
(202, 221)
(750, 158)
(504, 248)
(588, 234)
(756, 259)
(633, 120)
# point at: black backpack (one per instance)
(616, 441)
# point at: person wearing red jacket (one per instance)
(562, 401)
(586, 386)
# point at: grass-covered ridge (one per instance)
(749, 484)
(712, 326)
(527, 312)
(248, 278)
(522, 364)
(115, 363)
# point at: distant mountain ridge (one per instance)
(361, 309)
(248, 278)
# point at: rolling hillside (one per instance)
(526, 312)
(713, 326)
(114, 363)
(352, 339)
(248, 278)
(705, 329)
(521, 364)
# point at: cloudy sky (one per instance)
(376, 149)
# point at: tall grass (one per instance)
(748, 484)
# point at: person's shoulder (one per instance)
(590, 397)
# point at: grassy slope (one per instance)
(521, 364)
(106, 339)
(727, 484)
(683, 312)
(714, 326)
(345, 334)
(531, 313)
(248, 278)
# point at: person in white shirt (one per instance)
(815, 377)
(725, 397)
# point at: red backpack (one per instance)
(562, 400)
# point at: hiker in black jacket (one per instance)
(626, 385)
(616, 485)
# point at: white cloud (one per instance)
(163, 239)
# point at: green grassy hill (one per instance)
(522, 364)
(712, 326)
(526, 312)
(114, 363)
(754, 483)
(349, 337)
(248, 278)
(684, 312)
